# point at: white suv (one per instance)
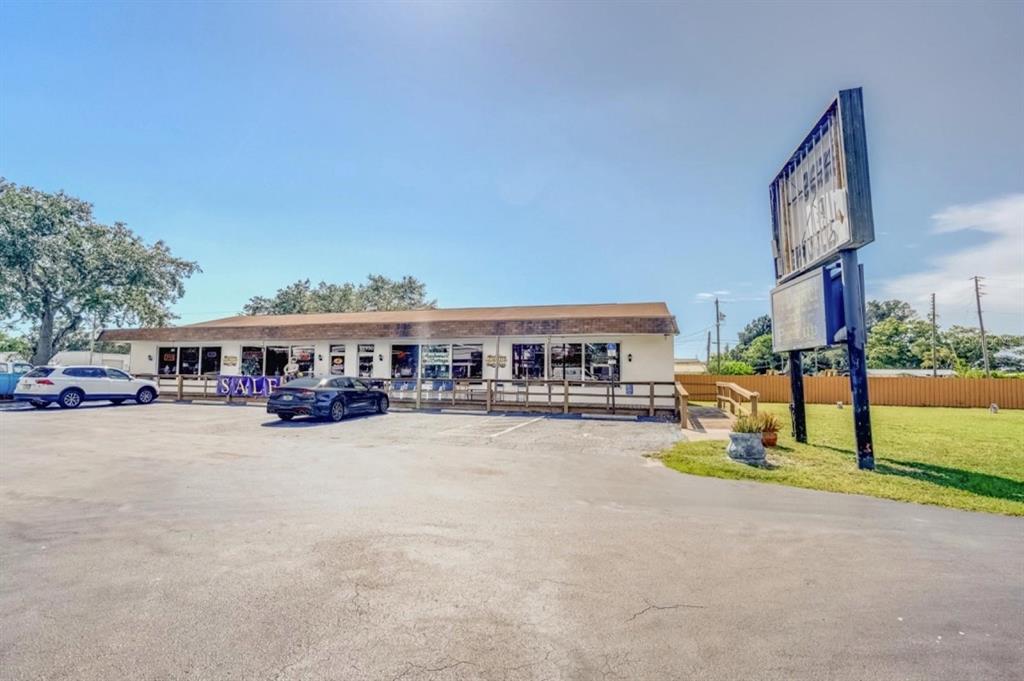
(70, 386)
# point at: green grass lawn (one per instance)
(961, 458)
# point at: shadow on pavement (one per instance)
(312, 421)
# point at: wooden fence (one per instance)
(906, 391)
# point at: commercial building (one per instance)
(608, 343)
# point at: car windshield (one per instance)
(40, 372)
(304, 383)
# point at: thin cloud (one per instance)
(704, 295)
(727, 297)
(1000, 259)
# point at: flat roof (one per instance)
(453, 322)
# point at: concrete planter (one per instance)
(746, 448)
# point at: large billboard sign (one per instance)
(807, 311)
(821, 199)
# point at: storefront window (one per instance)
(337, 360)
(567, 361)
(252, 360)
(277, 361)
(167, 361)
(528, 360)
(366, 361)
(210, 363)
(602, 361)
(467, 361)
(437, 361)
(404, 361)
(302, 358)
(188, 361)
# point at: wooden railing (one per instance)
(641, 398)
(185, 385)
(682, 405)
(546, 395)
(733, 395)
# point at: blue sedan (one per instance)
(330, 398)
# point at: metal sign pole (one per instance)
(853, 307)
(796, 388)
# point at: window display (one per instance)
(337, 360)
(528, 360)
(602, 361)
(567, 361)
(467, 361)
(167, 361)
(210, 363)
(252, 360)
(437, 360)
(405, 361)
(188, 361)
(302, 357)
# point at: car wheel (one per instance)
(337, 410)
(286, 417)
(382, 405)
(39, 405)
(118, 401)
(71, 399)
(145, 396)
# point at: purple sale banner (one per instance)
(247, 386)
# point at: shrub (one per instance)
(767, 423)
(730, 367)
(745, 424)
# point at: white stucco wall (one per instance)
(643, 357)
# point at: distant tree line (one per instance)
(898, 338)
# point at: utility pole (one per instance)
(981, 322)
(718, 334)
(708, 364)
(935, 364)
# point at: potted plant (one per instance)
(769, 425)
(745, 441)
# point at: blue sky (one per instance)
(523, 153)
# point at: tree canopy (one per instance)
(880, 310)
(61, 271)
(897, 339)
(759, 326)
(377, 293)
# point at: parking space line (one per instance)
(518, 425)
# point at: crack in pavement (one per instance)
(654, 606)
(410, 666)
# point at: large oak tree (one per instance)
(61, 271)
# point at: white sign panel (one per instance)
(810, 197)
(798, 314)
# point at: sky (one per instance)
(524, 153)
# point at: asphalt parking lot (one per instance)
(214, 542)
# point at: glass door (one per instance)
(337, 360)
(366, 361)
